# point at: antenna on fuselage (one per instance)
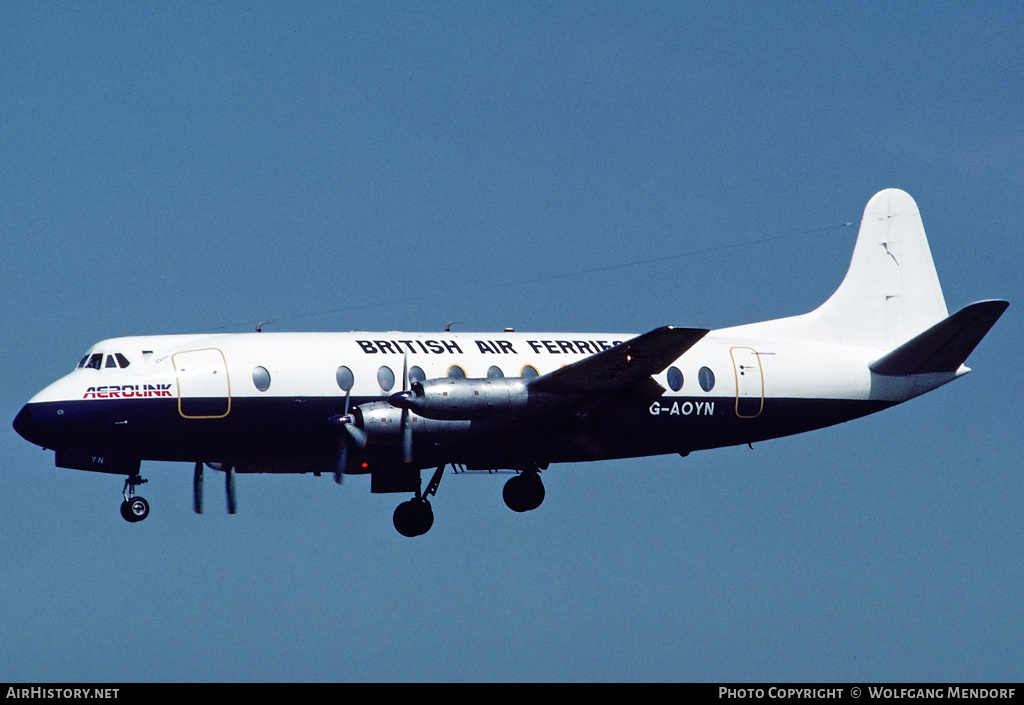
(259, 326)
(448, 326)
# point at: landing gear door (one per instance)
(749, 382)
(204, 391)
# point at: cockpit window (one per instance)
(95, 361)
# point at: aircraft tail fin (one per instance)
(891, 291)
(945, 346)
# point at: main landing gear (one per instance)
(524, 492)
(415, 517)
(133, 508)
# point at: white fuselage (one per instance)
(392, 403)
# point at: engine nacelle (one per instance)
(382, 421)
(462, 398)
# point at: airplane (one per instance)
(394, 404)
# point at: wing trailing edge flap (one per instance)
(945, 346)
(627, 365)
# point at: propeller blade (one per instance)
(342, 461)
(358, 434)
(406, 422)
(229, 485)
(197, 489)
(406, 436)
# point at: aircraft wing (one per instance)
(624, 366)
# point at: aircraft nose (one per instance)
(26, 425)
(23, 422)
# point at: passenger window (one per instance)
(416, 374)
(675, 379)
(706, 379)
(494, 372)
(261, 378)
(529, 372)
(345, 378)
(385, 378)
(122, 360)
(456, 372)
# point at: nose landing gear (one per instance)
(133, 508)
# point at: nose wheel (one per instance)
(133, 508)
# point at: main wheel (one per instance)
(523, 493)
(134, 509)
(413, 518)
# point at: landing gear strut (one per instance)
(415, 517)
(524, 492)
(133, 508)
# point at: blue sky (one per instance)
(181, 167)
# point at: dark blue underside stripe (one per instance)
(296, 431)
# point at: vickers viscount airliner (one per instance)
(393, 404)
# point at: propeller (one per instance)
(358, 435)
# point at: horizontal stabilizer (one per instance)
(626, 364)
(946, 345)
